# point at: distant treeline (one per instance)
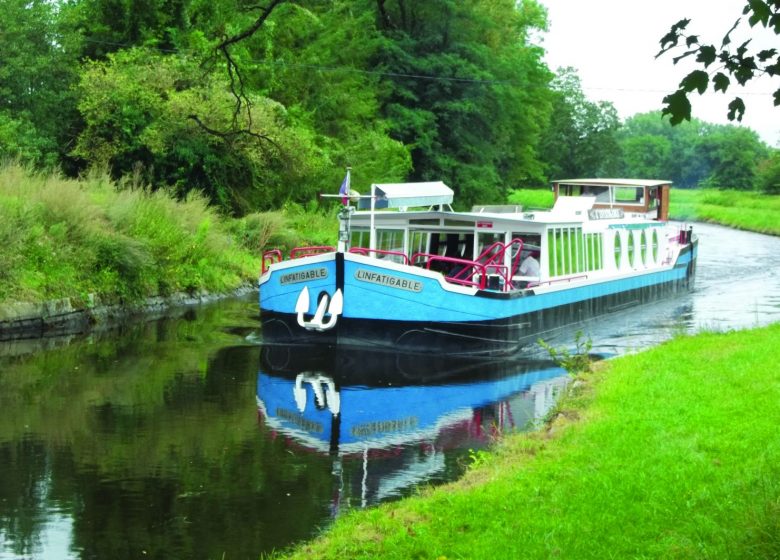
(254, 105)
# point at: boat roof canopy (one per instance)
(615, 182)
(398, 195)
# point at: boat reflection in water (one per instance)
(390, 422)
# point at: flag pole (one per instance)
(372, 234)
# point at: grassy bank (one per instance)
(750, 211)
(62, 238)
(671, 453)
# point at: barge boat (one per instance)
(410, 274)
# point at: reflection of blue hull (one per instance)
(443, 318)
(349, 418)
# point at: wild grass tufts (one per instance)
(65, 238)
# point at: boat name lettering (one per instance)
(387, 280)
(295, 418)
(484, 224)
(303, 276)
(384, 426)
(605, 213)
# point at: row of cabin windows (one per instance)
(620, 195)
(646, 252)
(570, 251)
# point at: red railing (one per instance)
(457, 271)
(382, 252)
(270, 257)
(299, 252)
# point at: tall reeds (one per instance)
(66, 238)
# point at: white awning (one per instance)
(396, 195)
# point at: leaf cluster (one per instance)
(719, 65)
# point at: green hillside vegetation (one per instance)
(64, 238)
(670, 453)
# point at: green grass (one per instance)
(671, 453)
(751, 211)
(532, 199)
(62, 238)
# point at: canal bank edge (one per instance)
(70, 316)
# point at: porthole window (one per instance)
(631, 248)
(618, 249)
(643, 246)
(655, 245)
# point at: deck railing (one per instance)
(299, 252)
(380, 253)
(270, 257)
(486, 272)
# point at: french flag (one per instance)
(344, 190)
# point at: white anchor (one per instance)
(334, 306)
(325, 393)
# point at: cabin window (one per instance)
(631, 248)
(630, 195)
(359, 238)
(601, 193)
(655, 245)
(593, 251)
(652, 198)
(418, 242)
(390, 239)
(618, 250)
(485, 240)
(566, 250)
(643, 246)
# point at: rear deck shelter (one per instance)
(650, 197)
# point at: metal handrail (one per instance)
(271, 256)
(367, 252)
(299, 252)
(475, 269)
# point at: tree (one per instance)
(465, 91)
(580, 139)
(732, 154)
(768, 171)
(681, 162)
(740, 64)
(145, 115)
(37, 106)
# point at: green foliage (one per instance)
(62, 238)
(256, 109)
(733, 63)
(455, 67)
(576, 361)
(143, 115)
(732, 155)
(691, 154)
(36, 75)
(768, 172)
(580, 139)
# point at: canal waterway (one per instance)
(186, 438)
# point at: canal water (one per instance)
(185, 438)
